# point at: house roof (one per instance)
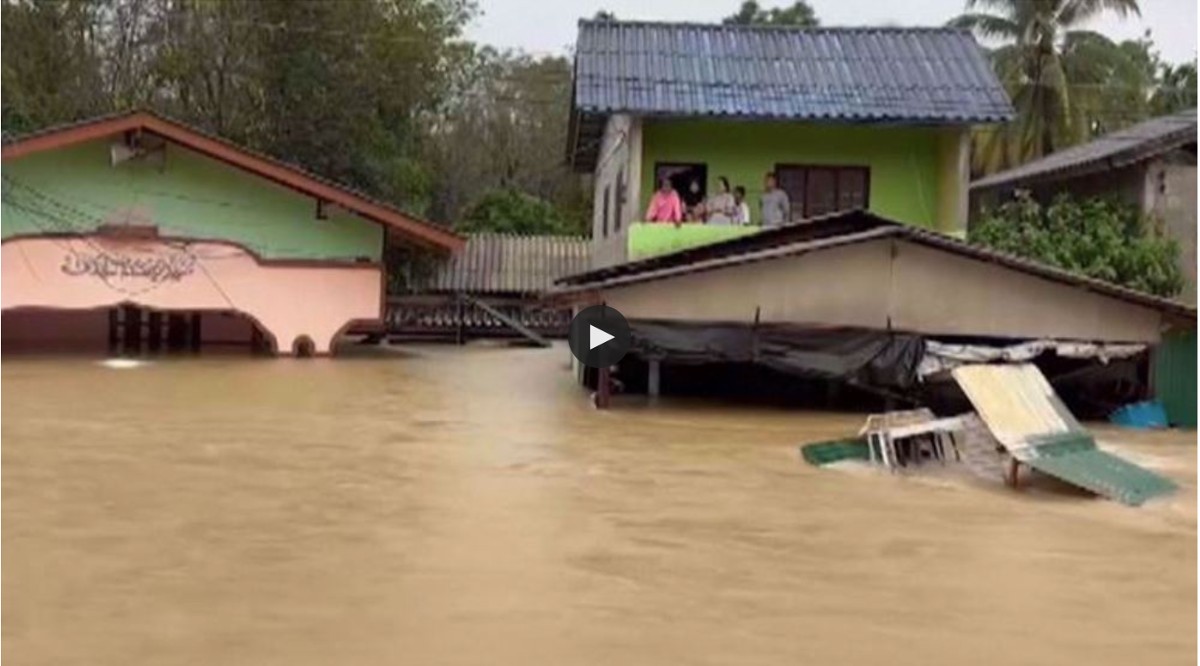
(915, 75)
(282, 173)
(1114, 150)
(838, 230)
(492, 263)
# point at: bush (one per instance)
(511, 211)
(1099, 238)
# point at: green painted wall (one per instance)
(76, 189)
(904, 161)
(647, 239)
(1175, 377)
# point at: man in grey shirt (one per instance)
(775, 205)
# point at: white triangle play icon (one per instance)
(597, 337)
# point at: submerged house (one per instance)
(870, 290)
(848, 118)
(1151, 165)
(135, 232)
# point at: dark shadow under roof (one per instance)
(875, 75)
(838, 230)
(1114, 150)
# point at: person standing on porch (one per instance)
(775, 205)
(741, 209)
(665, 205)
(721, 206)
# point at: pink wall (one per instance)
(287, 299)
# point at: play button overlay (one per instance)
(599, 336)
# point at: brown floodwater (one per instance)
(468, 506)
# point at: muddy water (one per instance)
(467, 506)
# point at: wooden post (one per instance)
(114, 330)
(154, 322)
(194, 333)
(176, 332)
(653, 382)
(604, 388)
(1014, 467)
(133, 330)
(460, 314)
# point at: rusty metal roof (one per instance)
(867, 74)
(492, 263)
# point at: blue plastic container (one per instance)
(1149, 414)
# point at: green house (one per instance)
(847, 118)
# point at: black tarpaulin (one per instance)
(859, 356)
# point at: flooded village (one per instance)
(789, 396)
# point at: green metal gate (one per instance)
(1175, 377)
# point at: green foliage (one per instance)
(514, 212)
(1098, 238)
(799, 14)
(1068, 84)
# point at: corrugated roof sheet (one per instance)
(1016, 402)
(1116, 149)
(926, 75)
(1024, 413)
(492, 263)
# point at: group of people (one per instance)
(726, 207)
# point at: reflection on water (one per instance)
(452, 506)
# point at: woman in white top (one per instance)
(721, 207)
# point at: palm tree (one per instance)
(1030, 63)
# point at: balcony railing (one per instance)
(648, 239)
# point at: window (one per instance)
(682, 176)
(604, 217)
(821, 190)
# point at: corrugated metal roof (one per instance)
(492, 263)
(928, 75)
(1016, 402)
(1116, 149)
(839, 229)
(1024, 413)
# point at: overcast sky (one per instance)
(548, 26)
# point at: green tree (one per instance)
(504, 127)
(1034, 69)
(1098, 238)
(799, 14)
(512, 211)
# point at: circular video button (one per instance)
(599, 336)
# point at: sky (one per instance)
(548, 26)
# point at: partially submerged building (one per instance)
(492, 287)
(862, 301)
(138, 232)
(870, 290)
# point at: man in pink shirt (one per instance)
(665, 205)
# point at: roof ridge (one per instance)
(760, 27)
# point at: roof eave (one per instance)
(270, 169)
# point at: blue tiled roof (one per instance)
(919, 75)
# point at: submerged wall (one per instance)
(288, 299)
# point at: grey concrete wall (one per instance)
(618, 174)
